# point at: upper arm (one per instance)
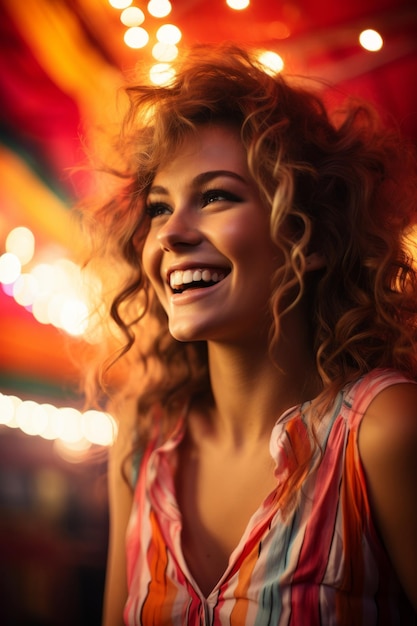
(120, 504)
(388, 450)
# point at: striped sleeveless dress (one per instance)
(323, 565)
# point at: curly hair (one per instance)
(344, 185)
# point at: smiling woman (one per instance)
(209, 218)
(267, 415)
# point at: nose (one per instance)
(179, 230)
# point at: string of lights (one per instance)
(74, 432)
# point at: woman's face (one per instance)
(208, 253)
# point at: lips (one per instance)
(195, 278)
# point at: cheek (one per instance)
(151, 258)
(246, 240)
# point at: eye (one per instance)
(218, 195)
(154, 209)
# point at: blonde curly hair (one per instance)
(344, 184)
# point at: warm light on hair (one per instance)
(271, 61)
(164, 52)
(161, 73)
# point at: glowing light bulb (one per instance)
(168, 33)
(10, 268)
(132, 16)
(21, 242)
(98, 427)
(371, 40)
(30, 418)
(159, 8)
(56, 423)
(73, 317)
(272, 62)
(161, 73)
(16, 403)
(51, 412)
(238, 5)
(7, 410)
(72, 432)
(55, 306)
(120, 4)
(40, 309)
(136, 37)
(71, 425)
(25, 289)
(46, 277)
(164, 52)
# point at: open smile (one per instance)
(195, 278)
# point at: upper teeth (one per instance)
(184, 277)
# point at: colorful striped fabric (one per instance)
(323, 565)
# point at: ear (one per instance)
(315, 261)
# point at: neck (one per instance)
(251, 392)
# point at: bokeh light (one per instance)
(272, 62)
(10, 268)
(238, 5)
(164, 52)
(8, 406)
(25, 289)
(168, 33)
(371, 40)
(31, 418)
(132, 16)
(73, 429)
(120, 4)
(98, 427)
(21, 242)
(159, 8)
(161, 73)
(136, 37)
(73, 317)
(57, 293)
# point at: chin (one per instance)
(187, 332)
(181, 334)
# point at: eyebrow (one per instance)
(202, 179)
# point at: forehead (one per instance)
(211, 147)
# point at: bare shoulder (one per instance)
(389, 425)
(388, 450)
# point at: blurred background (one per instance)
(61, 63)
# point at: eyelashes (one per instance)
(211, 196)
(218, 195)
(154, 209)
